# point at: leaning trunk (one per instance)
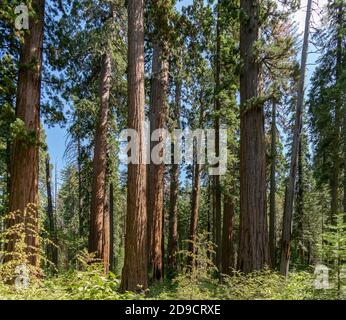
(289, 196)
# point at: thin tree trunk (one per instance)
(344, 161)
(194, 213)
(174, 191)
(253, 245)
(134, 274)
(289, 196)
(227, 236)
(79, 168)
(272, 200)
(196, 190)
(338, 118)
(209, 216)
(217, 186)
(163, 242)
(52, 250)
(158, 114)
(98, 193)
(300, 203)
(106, 237)
(334, 192)
(25, 154)
(111, 227)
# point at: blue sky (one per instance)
(56, 136)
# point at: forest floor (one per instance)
(91, 284)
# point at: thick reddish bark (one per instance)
(98, 192)
(134, 274)
(253, 246)
(227, 259)
(158, 115)
(24, 153)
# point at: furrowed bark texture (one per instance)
(134, 274)
(253, 246)
(24, 160)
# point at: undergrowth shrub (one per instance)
(88, 283)
(23, 229)
(204, 282)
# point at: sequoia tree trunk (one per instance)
(253, 245)
(135, 270)
(158, 115)
(98, 192)
(25, 151)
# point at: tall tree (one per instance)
(52, 250)
(24, 174)
(134, 275)
(253, 245)
(158, 119)
(98, 193)
(227, 262)
(290, 188)
(272, 200)
(216, 178)
(174, 189)
(158, 115)
(111, 226)
(196, 192)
